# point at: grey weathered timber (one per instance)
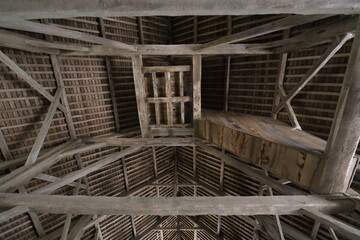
(196, 61)
(258, 175)
(327, 55)
(13, 212)
(61, 32)
(140, 95)
(174, 50)
(71, 177)
(35, 9)
(339, 226)
(150, 228)
(345, 132)
(145, 141)
(184, 68)
(190, 206)
(274, 26)
(35, 150)
(27, 78)
(23, 42)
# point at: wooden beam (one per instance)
(345, 131)
(190, 206)
(33, 9)
(35, 150)
(49, 178)
(61, 32)
(249, 170)
(71, 177)
(23, 42)
(340, 227)
(140, 29)
(4, 147)
(181, 91)
(196, 61)
(168, 93)
(27, 78)
(150, 228)
(111, 84)
(22, 175)
(78, 230)
(267, 28)
(184, 68)
(163, 132)
(170, 50)
(327, 55)
(206, 229)
(145, 141)
(13, 212)
(140, 95)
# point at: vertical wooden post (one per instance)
(140, 95)
(196, 86)
(227, 68)
(340, 162)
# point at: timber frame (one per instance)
(320, 189)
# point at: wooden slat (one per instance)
(196, 60)
(169, 105)
(155, 82)
(327, 55)
(145, 141)
(277, 25)
(184, 68)
(181, 91)
(168, 99)
(27, 78)
(13, 212)
(60, 32)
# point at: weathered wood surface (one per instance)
(284, 23)
(287, 153)
(171, 206)
(345, 133)
(145, 141)
(35, 9)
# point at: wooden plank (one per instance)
(181, 91)
(267, 28)
(27, 78)
(155, 82)
(190, 206)
(227, 83)
(168, 99)
(345, 134)
(35, 150)
(140, 29)
(146, 141)
(196, 61)
(340, 227)
(61, 32)
(71, 177)
(184, 68)
(49, 178)
(162, 132)
(13, 212)
(32, 9)
(140, 95)
(169, 105)
(249, 170)
(327, 55)
(165, 50)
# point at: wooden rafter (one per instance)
(267, 28)
(327, 55)
(27, 78)
(196, 61)
(61, 32)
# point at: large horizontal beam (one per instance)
(34, 9)
(150, 142)
(174, 206)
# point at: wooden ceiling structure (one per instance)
(145, 120)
